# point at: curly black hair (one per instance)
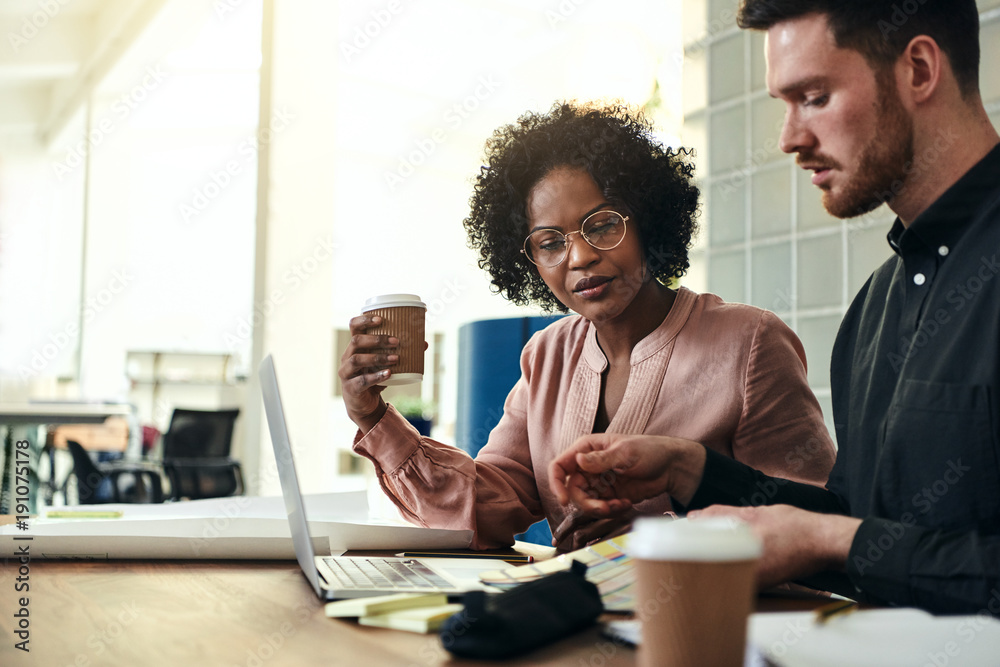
(615, 146)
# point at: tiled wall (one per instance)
(765, 237)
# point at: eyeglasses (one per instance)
(547, 248)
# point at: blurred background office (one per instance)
(188, 185)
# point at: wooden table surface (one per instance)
(247, 613)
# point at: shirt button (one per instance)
(943, 251)
(919, 279)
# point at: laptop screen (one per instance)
(294, 505)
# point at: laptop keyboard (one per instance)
(378, 573)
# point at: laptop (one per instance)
(339, 577)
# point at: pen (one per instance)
(827, 611)
(83, 514)
(438, 554)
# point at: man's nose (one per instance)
(795, 135)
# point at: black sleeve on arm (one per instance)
(729, 482)
(945, 572)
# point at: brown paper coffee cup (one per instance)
(695, 589)
(403, 316)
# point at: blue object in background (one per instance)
(489, 364)
(422, 425)
(104, 493)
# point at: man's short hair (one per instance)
(880, 30)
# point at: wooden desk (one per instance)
(252, 614)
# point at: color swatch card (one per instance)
(608, 567)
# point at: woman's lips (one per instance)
(591, 288)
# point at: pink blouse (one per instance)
(730, 376)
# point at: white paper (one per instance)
(877, 638)
(630, 632)
(339, 506)
(239, 527)
(871, 638)
(100, 539)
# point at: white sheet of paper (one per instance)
(339, 506)
(871, 638)
(241, 527)
(877, 638)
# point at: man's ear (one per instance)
(922, 66)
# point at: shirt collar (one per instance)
(675, 320)
(944, 222)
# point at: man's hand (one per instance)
(797, 543)
(605, 474)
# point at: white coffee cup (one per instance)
(695, 589)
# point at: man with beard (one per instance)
(883, 106)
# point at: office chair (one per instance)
(100, 482)
(196, 454)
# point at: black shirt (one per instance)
(916, 399)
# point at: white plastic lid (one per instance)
(710, 539)
(393, 301)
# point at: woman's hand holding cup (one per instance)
(364, 368)
(387, 348)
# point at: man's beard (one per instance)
(882, 165)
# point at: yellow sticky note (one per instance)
(82, 514)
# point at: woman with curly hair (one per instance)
(581, 209)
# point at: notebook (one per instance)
(339, 577)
